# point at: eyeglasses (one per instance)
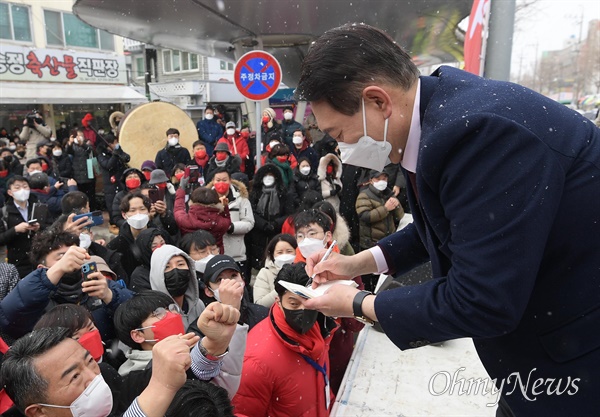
(160, 313)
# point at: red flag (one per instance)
(474, 37)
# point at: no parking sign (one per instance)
(257, 75)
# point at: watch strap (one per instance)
(357, 304)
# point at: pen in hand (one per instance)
(329, 250)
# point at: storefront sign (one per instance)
(19, 63)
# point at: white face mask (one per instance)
(209, 116)
(52, 139)
(231, 131)
(215, 294)
(63, 126)
(273, 144)
(21, 195)
(101, 132)
(268, 181)
(139, 221)
(380, 185)
(35, 171)
(12, 147)
(310, 246)
(85, 240)
(284, 260)
(287, 115)
(57, 153)
(201, 264)
(297, 140)
(305, 170)
(367, 152)
(95, 401)
(173, 141)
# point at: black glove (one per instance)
(333, 192)
(338, 188)
(231, 229)
(269, 228)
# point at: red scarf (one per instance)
(201, 161)
(311, 343)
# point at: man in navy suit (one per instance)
(504, 187)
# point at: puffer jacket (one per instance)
(329, 182)
(242, 218)
(264, 286)
(276, 380)
(33, 136)
(302, 183)
(81, 153)
(215, 220)
(35, 294)
(376, 222)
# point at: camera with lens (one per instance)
(33, 118)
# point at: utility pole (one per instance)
(499, 43)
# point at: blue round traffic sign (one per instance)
(257, 75)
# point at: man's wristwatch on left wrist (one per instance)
(357, 307)
(208, 356)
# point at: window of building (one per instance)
(65, 29)
(14, 22)
(140, 67)
(179, 61)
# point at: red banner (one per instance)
(474, 37)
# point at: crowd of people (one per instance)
(202, 240)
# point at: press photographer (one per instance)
(34, 131)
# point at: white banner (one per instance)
(18, 63)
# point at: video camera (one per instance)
(33, 118)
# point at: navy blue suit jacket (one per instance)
(509, 215)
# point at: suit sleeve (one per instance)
(499, 189)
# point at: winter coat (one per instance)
(124, 244)
(288, 127)
(266, 225)
(376, 222)
(62, 166)
(169, 156)
(276, 380)
(331, 185)
(232, 164)
(306, 151)
(33, 136)
(209, 132)
(112, 165)
(264, 286)
(115, 211)
(14, 165)
(81, 153)
(238, 145)
(192, 306)
(242, 218)
(302, 183)
(18, 245)
(341, 234)
(9, 278)
(35, 294)
(140, 277)
(215, 220)
(52, 198)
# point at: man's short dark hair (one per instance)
(131, 314)
(294, 273)
(126, 202)
(199, 239)
(198, 142)
(347, 59)
(221, 170)
(308, 217)
(172, 131)
(74, 202)
(39, 181)
(203, 195)
(209, 107)
(48, 241)
(279, 150)
(18, 374)
(32, 161)
(200, 399)
(14, 179)
(73, 317)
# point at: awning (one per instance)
(66, 93)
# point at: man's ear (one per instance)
(124, 215)
(35, 410)
(378, 96)
(329, 236)
(137, 336)
(208, 292)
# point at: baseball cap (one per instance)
(217, 265)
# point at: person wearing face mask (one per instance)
(58, 280)
(5, 175)
(15, 231)
(238, 145)
(222, 158)
(301, 148)
(34, 133)
(296, 383)
(62, 166)
(313, 230)
(201, 246)
(147, 242)
(51, 195)
(113, 161)
(209, 131)
(289, 126)
(10, 161)
(280, 157)
(280, 251)
(271, 205)
(223, 282)
(305, 179)
(131, 181)
(201, 156)
(270, 126)
(330, 174)
(44, 154)
(173, 153)
(62, 132)
(81, 150)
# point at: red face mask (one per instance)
(158, 246)
(132, 183)
(179, 175)
(148, 175)
(245, 134)
(221, 156)
(4, 173)
(282, 158)
(221, 187)
(161, 186)
(44, 167)
(92, 342)
(266, 119)
(200, 153)
(170, 325)
(329, 169)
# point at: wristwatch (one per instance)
(208, 356)
(357, 307)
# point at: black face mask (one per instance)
(21, 154)
(8, 159)
(177, 281)
(300, 320)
